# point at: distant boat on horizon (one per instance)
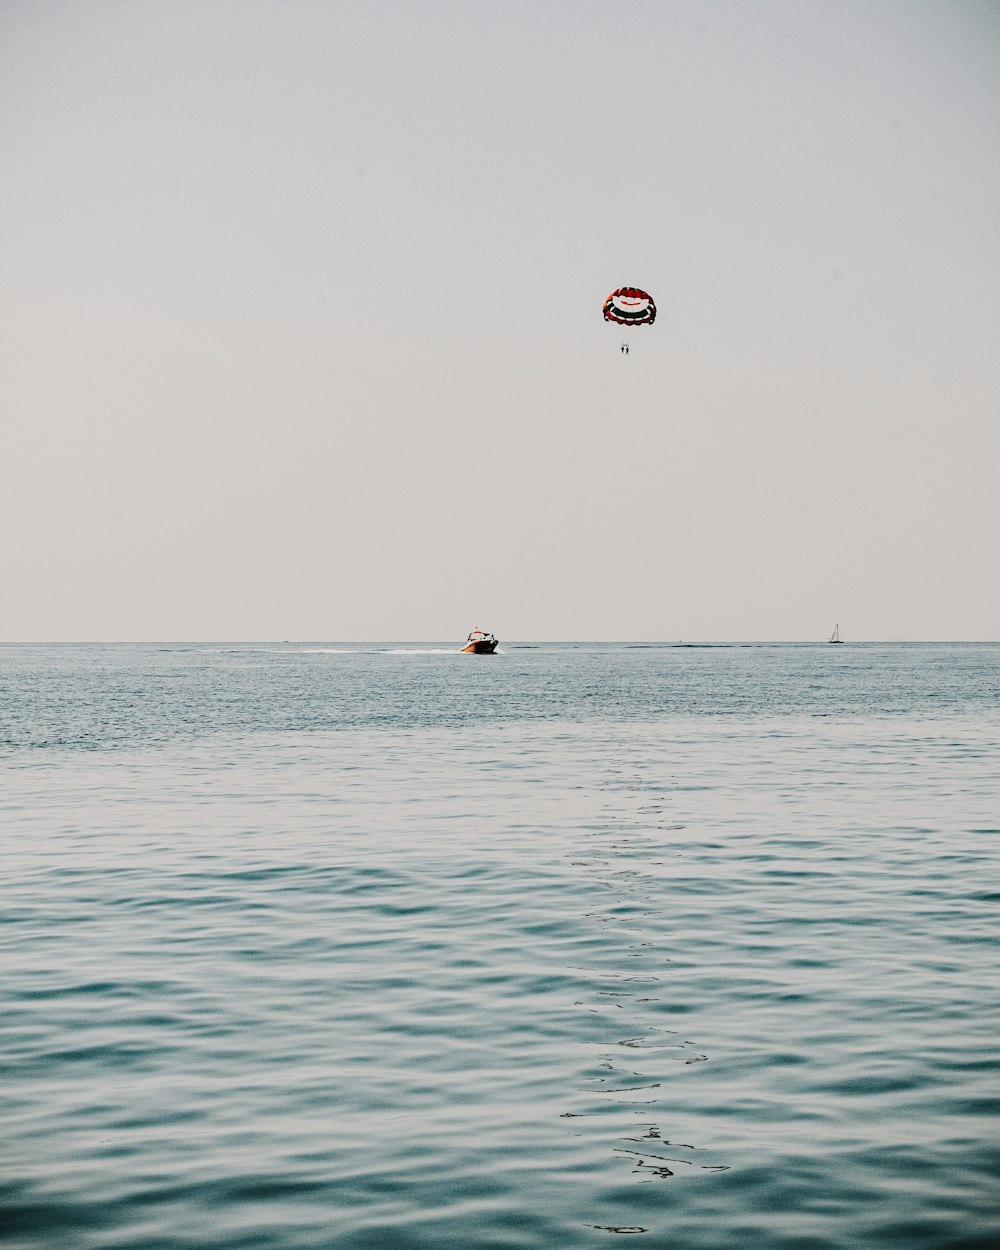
(835, 636)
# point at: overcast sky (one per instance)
(301, 334)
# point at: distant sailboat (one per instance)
(835, 636)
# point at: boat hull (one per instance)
(481, 646)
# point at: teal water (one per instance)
(398, 949)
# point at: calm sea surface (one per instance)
(392, 948)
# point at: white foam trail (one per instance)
(422, 651)
(323, 651)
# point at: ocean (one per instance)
(385, 947)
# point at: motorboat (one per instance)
(479, 642)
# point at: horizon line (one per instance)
(649, 642)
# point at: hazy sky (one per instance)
(300, 319)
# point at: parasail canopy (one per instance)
(629, 306)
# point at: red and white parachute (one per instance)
(628, 306)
